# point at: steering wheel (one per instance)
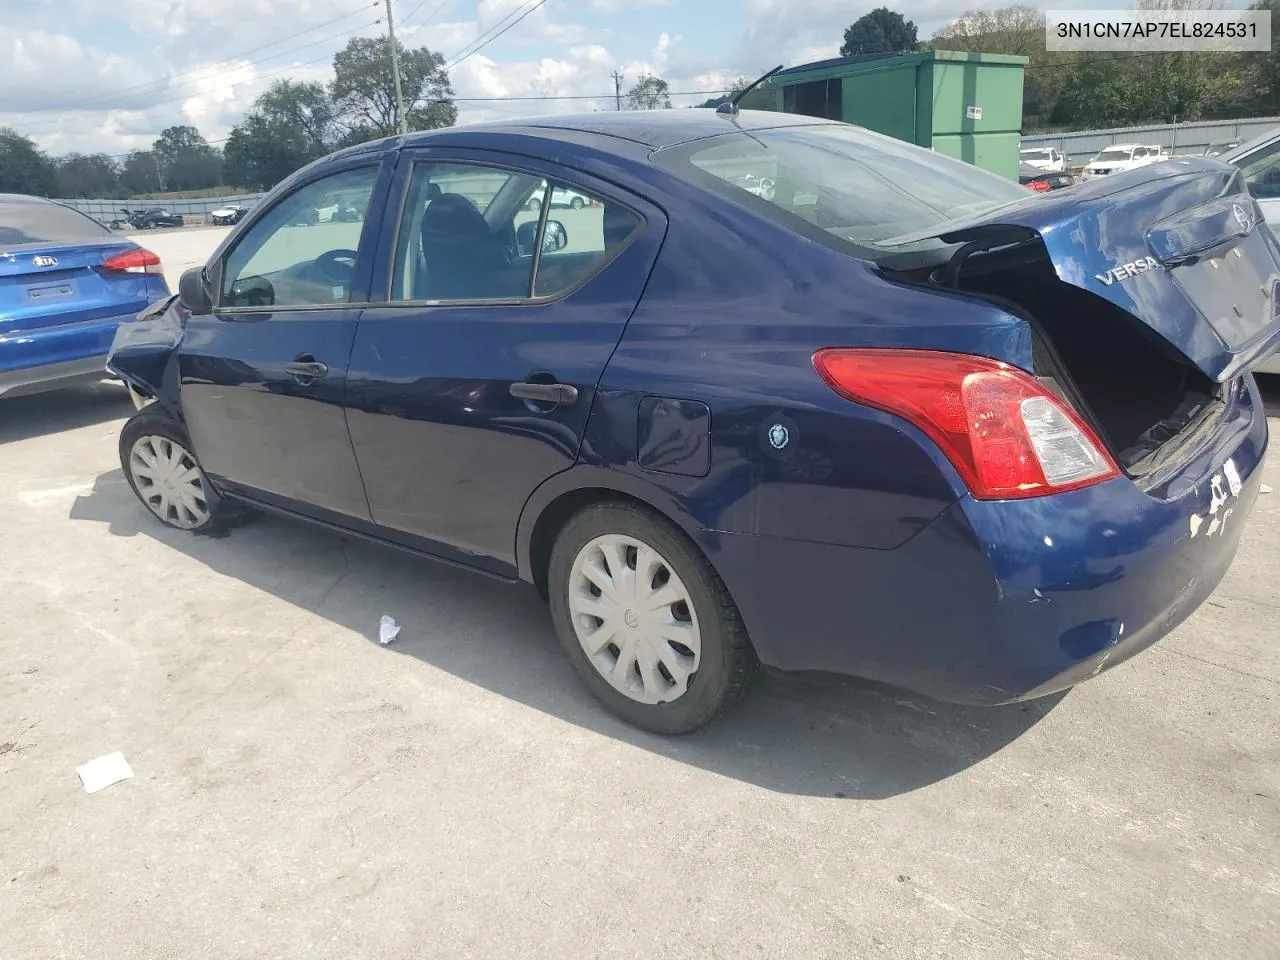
(338, 267)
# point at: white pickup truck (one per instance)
(1123, 156)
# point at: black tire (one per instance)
(154, 422)
(727, 660)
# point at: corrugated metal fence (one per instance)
(105, 211)
(1179, 139)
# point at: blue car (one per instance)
(896, 418)
(66, 283)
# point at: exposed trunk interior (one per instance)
(1142, 396)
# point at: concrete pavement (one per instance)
(300, 790)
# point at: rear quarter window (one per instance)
(24, 223)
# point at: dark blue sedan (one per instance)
(66, 283)
(896, 418)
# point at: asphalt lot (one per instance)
(301, 790)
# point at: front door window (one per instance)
(303, 252)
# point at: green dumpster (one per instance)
(965, 105)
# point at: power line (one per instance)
(165, 82)
(460, 57)
(404, 21)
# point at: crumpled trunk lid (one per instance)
(1180, 245)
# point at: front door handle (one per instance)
(559, 393)
(306, 368)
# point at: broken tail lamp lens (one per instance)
(1007, 437)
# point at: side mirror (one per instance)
(192, 292)
(555, 238)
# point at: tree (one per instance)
(880, 31)
(186, 161)
(649, 93)
(364, 89)
(288, 126)
(24, 167)
(92, 175)
(140, 174)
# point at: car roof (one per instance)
(22, 198)
(651, 128)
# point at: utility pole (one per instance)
(401, 121)
(617, 89)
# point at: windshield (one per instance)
(1112, 155)
(854, 185)
(23, 222)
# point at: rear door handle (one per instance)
(562, 393)
(306, 368)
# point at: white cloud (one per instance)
(618, 6)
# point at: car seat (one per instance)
(464, 260)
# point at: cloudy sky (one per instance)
(108, 75)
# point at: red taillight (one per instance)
(1003, 432)
(1039, 186)
(133, 261)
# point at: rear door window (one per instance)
(24, 222)
(581, 234)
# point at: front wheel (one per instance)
(163, 472)
(649, 626)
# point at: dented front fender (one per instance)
(144, 354)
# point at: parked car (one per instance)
(1121, 157)
(562, 197)
(228, 216)
(147, 219)
(1219, 147)
(1042, 181)
(1043, 158)
(1259, 163)
(974, 442)
(66, 283)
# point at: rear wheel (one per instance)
(649, 626)
(163, 472)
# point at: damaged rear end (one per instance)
(1150, 296)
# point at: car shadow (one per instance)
(803, 735)
(56, 411)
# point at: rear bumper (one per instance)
(995, 602)
(55, 356)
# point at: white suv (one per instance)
(1123, 156)
(1043, 158)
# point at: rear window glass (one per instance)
(26, 223)
(853, 185)
(1035, 154)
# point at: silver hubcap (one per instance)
(634, 619)
(169, 482)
